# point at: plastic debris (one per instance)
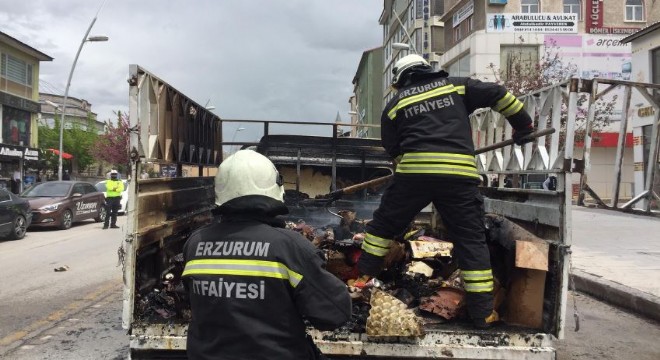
(389, 316)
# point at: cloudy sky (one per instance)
(260, 59)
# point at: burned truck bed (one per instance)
(160, 309)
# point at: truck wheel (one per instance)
(102, 215)
(67, 219)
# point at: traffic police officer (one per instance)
(251, 282)
(113, 189)
(425, 128)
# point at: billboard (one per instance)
(532, 23)
(603, 56)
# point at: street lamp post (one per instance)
(85, 39)
(234, 137)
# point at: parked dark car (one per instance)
(15, 215)
(61, 203)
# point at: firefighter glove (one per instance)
(521, 136)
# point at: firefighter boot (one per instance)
(488, 322)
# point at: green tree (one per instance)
(77, 141)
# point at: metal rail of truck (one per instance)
(170, 128)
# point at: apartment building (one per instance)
(366, 102)
(78, 113)
(19, 107)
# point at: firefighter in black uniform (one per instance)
(251, 282)
(425, 128)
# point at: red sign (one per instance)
(595, 15)
(594, 21)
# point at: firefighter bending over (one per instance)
(425, 128)
(251, 282)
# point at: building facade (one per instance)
(19, 109)
(78, 113)
(367, 99)
(646, 65)
(415, 24)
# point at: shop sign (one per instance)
(31, 154)
(463, 13)
(19, 152)
(645, 111)
(550, 23)
(594, 21)
(19, 103)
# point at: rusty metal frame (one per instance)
(592, 87)
(179, 130)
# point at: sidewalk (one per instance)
(616, 258)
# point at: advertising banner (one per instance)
(533, 23)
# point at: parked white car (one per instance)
(100, 186)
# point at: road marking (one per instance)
(60, 314)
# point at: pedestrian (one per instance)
(113, 189)
(252, 283)
(426, 129)
(66, 175)
(144, 175)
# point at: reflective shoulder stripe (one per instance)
(460, 89)
(447, 89)
(254, 268)
(513, 109)
(502, 103)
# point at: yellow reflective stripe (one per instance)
(479, 287)
(504, 102)
(512, 109)
(377, 241)
(460, 89)
(476, 272)
(447, 89)
(437, 169)
(374, 250)
(255, 268)
(439, 157)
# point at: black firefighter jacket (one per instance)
(251, 283)
(427, 124)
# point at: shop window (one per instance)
(15, 126)
(460, 67)
(573, 7)
(529, 6)
(634, 10)
(16, 70)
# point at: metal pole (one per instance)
(620, 147)
(68, 85)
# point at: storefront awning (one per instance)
(65, 155)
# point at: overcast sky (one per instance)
(260, 59)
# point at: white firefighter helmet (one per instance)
(405, 63)
(114, 173)
(247, 172)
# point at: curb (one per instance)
(613, 293)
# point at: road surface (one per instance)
(76, 314)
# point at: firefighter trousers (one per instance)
(460, 206)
